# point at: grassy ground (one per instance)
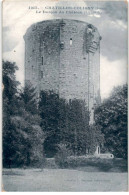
(82, 179)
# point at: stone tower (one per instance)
(64, 56)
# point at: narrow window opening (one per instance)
(42, 60)
(71, 41)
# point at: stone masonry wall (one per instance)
(63, 55)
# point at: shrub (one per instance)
(62, 155)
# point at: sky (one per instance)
(110, 18)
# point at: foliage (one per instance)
(49, 113)
(22, 135)
(111, 116)
(31, 125)
(95, 137)
(94, 164)
(78, 126)
(63, 122)
(29, 99)
(67, 123)
(10, 104)
(62, 155)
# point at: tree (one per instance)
(111, 116)
(29, 98)
(64, 123)
(49, 113)
(30, 121)
(77, 126)
(22, 135)
(10, 103)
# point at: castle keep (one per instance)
(64, 56)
